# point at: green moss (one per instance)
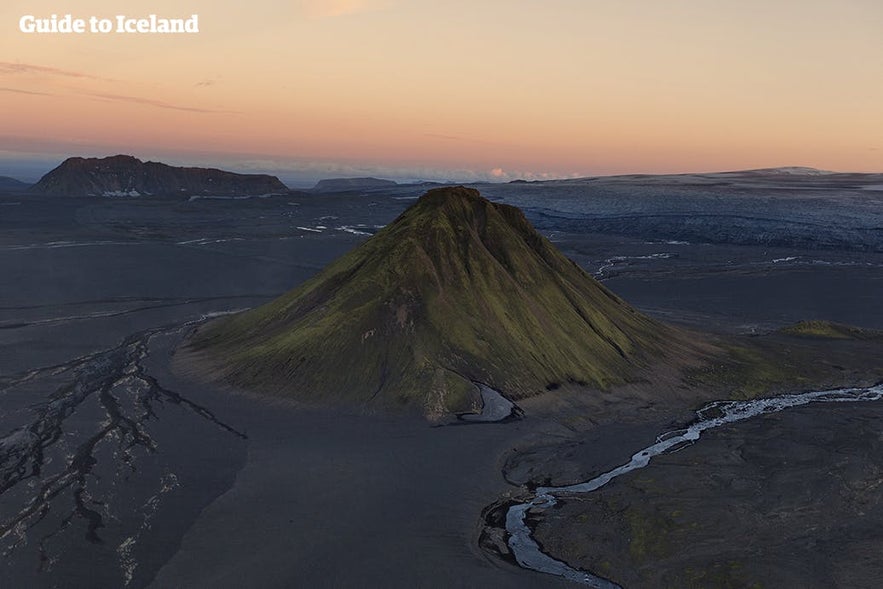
(649, 535)
(746, 372)
(723, 575)
(456, 284)
(828, 330)
(760, 373)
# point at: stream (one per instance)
(526, 550)
(81, 460)
(495, 407)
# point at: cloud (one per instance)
(17, 91)
(155, 103)
(9, 68)
(333, 8)
(501, 175)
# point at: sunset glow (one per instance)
(464, 90)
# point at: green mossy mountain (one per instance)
(456, 290)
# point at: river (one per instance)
(526, 550)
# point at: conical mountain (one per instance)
(457, 290)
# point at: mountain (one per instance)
(350, 184)
(124, 175)
(785, 174)
(456, 291)
(785, 171)
(8, 184)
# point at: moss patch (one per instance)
(723, 575)
(745, 372)
(829, 330)
(649, 535)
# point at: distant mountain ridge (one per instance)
(8, 184)
(783, 174)
(125, 175)
(785, 171)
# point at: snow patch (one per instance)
(120, 193)
(352, 230)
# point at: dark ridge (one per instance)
(124, 175)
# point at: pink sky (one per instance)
(458, 90)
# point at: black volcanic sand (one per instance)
(103, 469)
(183, 485)
(791, 499)
(135, 466)
(329, 499)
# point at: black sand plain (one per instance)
(120, 469)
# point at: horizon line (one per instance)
(400, 175)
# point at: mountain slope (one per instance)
(8, 184)
(457, 290)
(124, 175)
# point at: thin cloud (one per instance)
(157, 103)
(31, 92)
(9, 68)
(130, 99)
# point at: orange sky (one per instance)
(460, 90)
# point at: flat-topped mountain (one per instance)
(124, 175)
(349, 184)
(456, 291)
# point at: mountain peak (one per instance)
(452, 200)
(456, 291)
(445, 194)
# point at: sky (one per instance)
(455, 90)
